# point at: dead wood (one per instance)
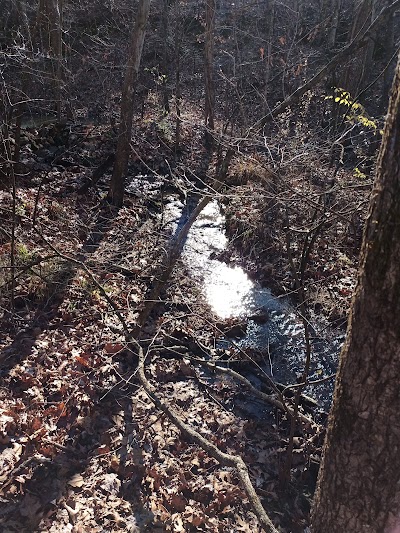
(195, 437)
(268, 398)
(172, 255)
(97, 174)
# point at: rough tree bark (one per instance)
(357, 73)
(208, 72)
(359, 481)
(116, 191)
(47, 35)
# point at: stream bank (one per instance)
(97, 441)
(265, 327)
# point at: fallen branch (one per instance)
(173, 254)
(278, 388)
(268, 398)
(97, 174)
(195, 437)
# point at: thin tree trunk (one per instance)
(47, 35)
(178, 44)
(389, 50)
(20, 7)
(116, 191)
(55, 20)
(268, 52)
(208, 72)
(359, 481)
(357, 72)
(164, 26)
(329, 19)
(334, 24)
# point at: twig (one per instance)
(314, 382)
(223, 458)
(82, 265)
(259, 394)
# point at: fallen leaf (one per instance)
(76, 481)
(113, 348)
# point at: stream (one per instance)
(272, 326)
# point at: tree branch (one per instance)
(343, 54)
(195, 437)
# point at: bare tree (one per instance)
(358, 70)
(208, 72)
(358, 487)
(47, 35)
(267, 54)
(116, 192)
(331, 18)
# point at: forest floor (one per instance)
(82, 447)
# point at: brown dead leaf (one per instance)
(177, 524)
(115, 463)
(8, 458)
(76, 481)
(241, 525)
(104, 449)
(187, 369)
(113, 348)
(7, 423)
(178, 502)
(82, 361)
(110, 483)
(197, 519)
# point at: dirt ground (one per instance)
(82, 446)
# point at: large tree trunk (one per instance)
(358, 488)
(116, 192)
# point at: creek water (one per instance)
(279, 336)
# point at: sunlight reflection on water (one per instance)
(228, 289)
(231, 293)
